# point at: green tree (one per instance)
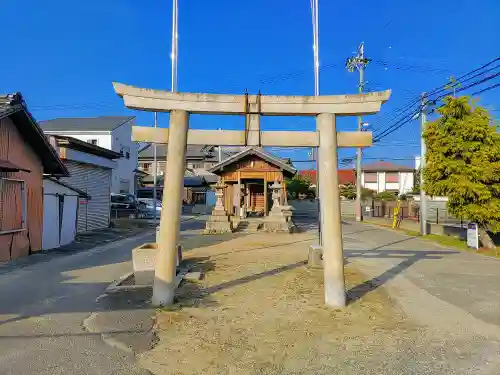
(297, 185)
(463, 163)
(416, 181)
(385, 196)
(348, 191)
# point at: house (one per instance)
(248, 175)
(346, 176)
(197, 178)
(110, 132)
(385, 176)
(199, 159)
(25, 156)
(91, 171)
(60, 212)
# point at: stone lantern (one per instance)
(276, 195)
(219, 208)
(279, 216)
(219, 221)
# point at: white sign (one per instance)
(472, 236)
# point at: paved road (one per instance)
(452, 296)
(42, 306)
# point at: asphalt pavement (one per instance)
(44, 302)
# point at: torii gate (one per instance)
(178, 135)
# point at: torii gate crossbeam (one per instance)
(325, 108)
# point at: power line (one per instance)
(487, 89)
(409, 117)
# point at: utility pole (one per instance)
(359, 62)
(219, 148)
(423, 197)
(155, 171)
(315, 29)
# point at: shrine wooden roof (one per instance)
(257, 151)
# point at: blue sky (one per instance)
(63, 55)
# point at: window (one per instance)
(370, 177)
(392, 177)
(92, 141)
(146, 166)
(13, 203)
(125, 151)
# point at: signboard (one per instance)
(472, 236)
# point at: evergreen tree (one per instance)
(463, 163)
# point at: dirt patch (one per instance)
(260, 310)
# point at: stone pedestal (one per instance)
(315, 258)
(219, 222)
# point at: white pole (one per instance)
(154, 174)
(175, 53)
(423, 149)
(315, 26)
(316, 61)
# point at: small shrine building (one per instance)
(248, 175)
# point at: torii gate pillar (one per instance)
(165, 271)
(333, 254)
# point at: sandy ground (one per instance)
(259, 310)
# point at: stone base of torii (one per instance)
(178, 135)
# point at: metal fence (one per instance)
(437, 213)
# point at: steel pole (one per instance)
(423, 197)
(155, 171)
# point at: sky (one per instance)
(64, 55)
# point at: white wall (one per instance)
(404, 185)
(103, 137)
(51, 236)
(114, 140)
(122, 137)
(405, 182)
(381, 182)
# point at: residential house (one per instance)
(199, 159)
(346, 176)
(385, 176)
(110, 132)
(25, 156)
(197, 178)
(91, 171)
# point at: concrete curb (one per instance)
(88, 325)
(116, 287)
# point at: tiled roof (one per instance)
(206, 153)
(106, 123)
(385, 166)
(346, 176)
(14, 107)
(259, 152)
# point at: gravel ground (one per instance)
(260, 311)
(415, 308)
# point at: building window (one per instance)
(146, 166)
(13, 203)
(392, 177)
(125, 151)
(371, 177)
(92, 141)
